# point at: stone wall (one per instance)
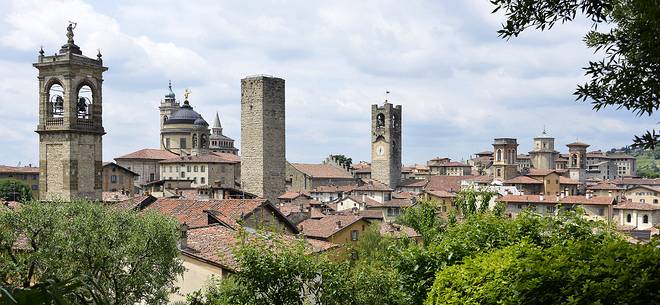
(386, 164)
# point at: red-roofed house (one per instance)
(637, 215)
(338, 229)
(304, 177)
(596, 207)
(28, 175)
(144, 162)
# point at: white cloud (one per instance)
(459, 84)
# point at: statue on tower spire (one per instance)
(70, 46)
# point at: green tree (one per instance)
(423, 217)
(343, 160)
(14, 190)
(610, 271)
(129, 257)
(629, 74)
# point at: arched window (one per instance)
(84, 102)
(395, 122)
(164, 119)
(380, 120)
(628, 218)
(194, 141)
(56, 101)
(645, 219)
(574, 160)
(203, 141)
(498, 156)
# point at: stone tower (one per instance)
(70, 123)
(386, 144)
(505, 152)
(577, 163)
(200, 137)
(543, 154)
(263, 160)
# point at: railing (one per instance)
(54, 122)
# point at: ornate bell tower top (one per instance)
(386, 143)
(70, 89)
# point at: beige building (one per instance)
(26, 174)
(118, 179)
(70, 123)
(505, 152)
(145, 163)
(643, 194)
(595, 207)
(636, 215)
(543, 154)
(216, 169)
(305, 177)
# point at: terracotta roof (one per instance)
(292, 195)
(399, 203)
(333, 188)
(446, 183)
(373, 185)
(636, 181)
(288, 209)
(149, 154)
(226, 156)
(413, 183)
(133, 202)
(540, 172)
(120, 167)
(207, 158)
(577, 144)
(359, 199)
(19, 170)
(481, 179)
(522, 180)
(629, 205)
(397, 230)
(327, 226)
(646, 187)
(441, 194)
(604, 186)
(113, 196)
(453, 164)
(566, 180)
(322, 171)
(215, 244)
(595, 200)
(403, 195)
(193, 212)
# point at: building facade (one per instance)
(118, 179)
(28, 175)
(505, 152)
(263, 136)
(145, 163)
(577, 163)
(386, 144)
(543, 154)
(213, 169)
(70, 123)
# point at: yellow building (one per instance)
(338, 229)
(643, 194)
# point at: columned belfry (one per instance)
(70, 123)
(386, 144)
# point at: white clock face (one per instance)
(380, 150)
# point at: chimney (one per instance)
(541, 197)
(522, 193)
(609, 193)
(183, 237)
(588, 194)
(364, 197)
(338, 224)
(557, 196)
(566, 192)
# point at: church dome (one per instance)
(185, 115)
(201, 122)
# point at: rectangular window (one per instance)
(203, 168)
(188, 168)
(195, 180)
(152, 176)
(113, 179)
(354, 235)
(34, 177)
(550, 209)
(182, 143)
(35, 186)
(202, 180)
(183, 174)
(167, 142)
(195, 168)
(601, 211)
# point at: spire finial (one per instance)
(387, 95)
(186, 94)
(41, 51)
(543, 128)
(98, 54)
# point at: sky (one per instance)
(459, 85)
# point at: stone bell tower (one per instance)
(386, 144)
(70, 123)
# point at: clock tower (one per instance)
(386, 144)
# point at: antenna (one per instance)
(387, 95)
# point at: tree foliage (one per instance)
(343, 160)
(610, 271)
(129, 258)
(14, 190)
(423, 217)
(628, 76)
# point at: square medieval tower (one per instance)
(263, 142)
(70, 123)
(386, 144)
